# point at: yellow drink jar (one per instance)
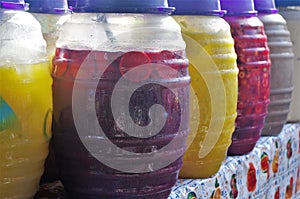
(214, 85)
(25, 102)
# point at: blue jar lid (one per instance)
(265, 6)
(122, 6)
(197, 7)
(48, 6)
(239, 7)
(14, 5)
(284, 3)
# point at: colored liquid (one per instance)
(83, 175)
(254, 81)
(213, 35)
(26, 116)
(281, 82)
(291, 15)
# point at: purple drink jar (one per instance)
(282, 66)
(254, 73)
(121, 100)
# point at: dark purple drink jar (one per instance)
(121, 101)
(254, 73)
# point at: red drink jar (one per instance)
(254, 73)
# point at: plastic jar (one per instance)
(121, 100)
(290, 10)
(282, 66)
(25, 102)
(213, 70)
(254, 73)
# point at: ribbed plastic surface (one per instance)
(82, 174)
(210, 39)
(25, 104)
(254, 81)
(282, 67)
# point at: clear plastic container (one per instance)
(254, 73)
(208, 37)
(51, 14)
(25, 102)
(282, 66)
(101, 45)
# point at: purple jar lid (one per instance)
(122, 6)
(14, 5)
(48, 6)
(197, 7)
(265, 6)
(239, 7)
